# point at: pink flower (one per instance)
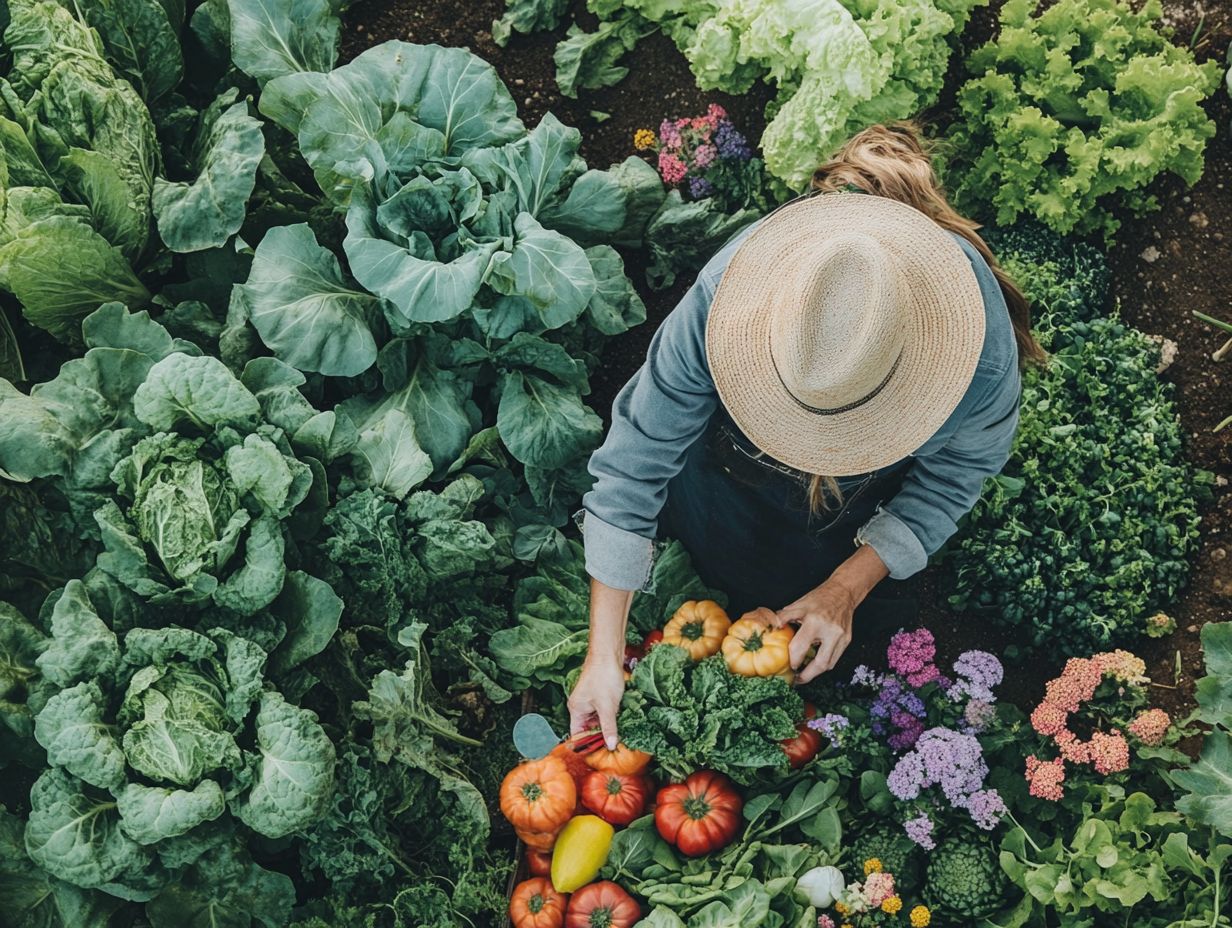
(704, 155)
(1045, 778)
(878, 887)
(1073, 750)
(716, 112)
(825, 921)
(1109, 751)
(1150, 726)
(669, 134)
(1076, 684)
(1048, 718)
(671, 168)
(1123, 665)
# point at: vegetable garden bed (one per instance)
(310, 314)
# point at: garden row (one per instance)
(282, 517)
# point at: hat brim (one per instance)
(942, 348)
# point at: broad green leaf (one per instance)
(547, 269)
(277, 483)
(295, 775)
(76, 836)
(1214, 691)
(528, 16)
(417, 289)
(258, 583)
(82, 647)
(149, 814)
(609, 207)
(303, 309)
(534, 166)
(71, 728)
(201, 391)
(209, 210)
(542, 424)
(535, 647)
(311, 610)
(61, 270)
(224, 889)
(20, 646)
(531, 353)
(141, 41)
(1208, 784)
(388, 454)
(587, 60)
(615, 306)
(95, 182)
(270, 38)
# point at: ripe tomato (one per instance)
(535, 904)
(538, 862)
(602, 905)
(700, 815)
(617, 798)
(804, 747)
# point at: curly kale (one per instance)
(1066, 280)
(964, 880)
(692, 715)
(1091, 524)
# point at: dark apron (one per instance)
(746, 521)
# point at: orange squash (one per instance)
(538, 796)
(623, 760)
(699, 627)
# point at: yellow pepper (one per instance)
(753, 648)
(698, 627)
(580, 852)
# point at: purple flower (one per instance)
(704, 155)
(911, 652)
(732, 146)
(669, 134)
(829, 724)
(978, 713)
(978, 672)
(920, 830)
(863, 675)
(912, 703)
(986, 807)
(908, 776)
(907, 735)
(700, 188)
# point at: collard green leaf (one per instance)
(75, 835)
(224, 889)
(1208, 784)
(615, 306)
(72, 729)
(528, 16)
(303, 309)
(200, 391)
(61, 270)
(149, 814)
(259, 581)
(270, 38)
(537, 649)
(1214, 691)
(388, 455)
(209, 210)
(295, 775)
(543, 424)
(82, 647)
(547, 269)
(141, 41)
(94, 181)
(588, 60)
(311, 612)
(534, 167)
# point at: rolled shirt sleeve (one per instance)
(656, 416)
(941, 487)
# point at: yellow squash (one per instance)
(698, 627)
(580, 852)
(753, 648)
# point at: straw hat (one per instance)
(844, 332)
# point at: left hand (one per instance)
(824, 618)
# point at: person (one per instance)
(814, 416)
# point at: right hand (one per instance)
(595, 699)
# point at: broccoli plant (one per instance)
(964, 880)
(898, 854)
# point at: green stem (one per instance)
(1026, 834)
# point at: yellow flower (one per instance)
(846, 925)
(920, 916)
(840, 908)
(643, 139)
(872, 865)
(891, 904)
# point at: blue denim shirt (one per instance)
(668, 403)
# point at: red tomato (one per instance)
(617, 798)
(804, 747)
(602, 905)
(700, 815)
(652, 639)
(538, 862)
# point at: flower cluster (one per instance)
(875, 901)
(954, 762)
(831, 725)
(1096, 691)
(705, 156)
(1160, 625)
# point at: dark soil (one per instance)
(1165, 265)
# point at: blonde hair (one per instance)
(893, 161)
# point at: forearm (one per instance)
(609, 613)
(857, 575)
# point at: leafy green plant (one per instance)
(964, 880)
(1091, 523)
(1071, 111)
(1207, 783)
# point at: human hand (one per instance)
(823, 616)
(595, 699)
